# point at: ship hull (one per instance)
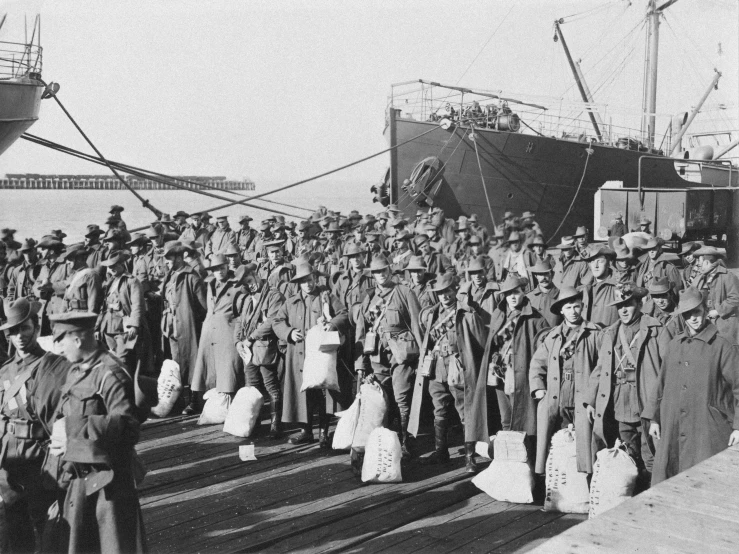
(20, 100)
(520, 172)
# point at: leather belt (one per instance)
(23, 429)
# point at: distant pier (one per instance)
(34, 181)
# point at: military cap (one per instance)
(499, 234)
(653, 242)
(244, 270)
(115, 209)
(644, 220)
(383, 215)
(393, 208)
(112, 235)
(333, 228)
(460, 225)
(597, 250)
(688, 248)
(416, 263)
(196, 215)
(304, 225)
(566, 294)
(658, 287)
(117, 257)
(580, 232)
(274, 244)
(222, 218)
(28, 244)
(442, 282)
(623, 252)
(472, 218)
(690, 299)
(373, 237)
(153, 231)
(354, 214)
(245, 217)
(398, 222)
(626, 291)
(353, 249)
(302, 270)
(165, 218)
(19, 311)
(191, 247)
(405, 236)
(418, 240)
(113, 221)
(72, 321)
(216, 261)
(205, 216)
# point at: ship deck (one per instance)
(200, 497)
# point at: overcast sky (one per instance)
(279, 91)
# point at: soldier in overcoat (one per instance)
(478, 292)
(544, 293)
(559, 375)
(570, 270)
(312, 305)
(220, 238)
(85, 288)
(689, 427)
(600, 292)
(721, 288)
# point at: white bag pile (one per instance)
(169, 388)
(243, 414)
(319, 367)
(344, 434)
(567, 488)
(382, 457)
(215, 409)
(508, 478)
(372, 411)
(614, 479)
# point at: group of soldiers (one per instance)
(623, 340)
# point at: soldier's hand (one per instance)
(133, 332)
(591, 413)
(734, 438)
(655, 434)
(58, 446)
(713, 314)
(296, 336)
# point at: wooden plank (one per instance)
(540, 535)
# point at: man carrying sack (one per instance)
(453, 343)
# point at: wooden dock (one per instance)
(200, 497)
(695, 511)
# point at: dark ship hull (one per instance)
(20, 100)
(521, 172)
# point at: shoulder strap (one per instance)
(379, 319)
(625, 345)
(20, 380)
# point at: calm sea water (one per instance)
(35, 213)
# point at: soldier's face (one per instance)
(582, 240)
(303, 234)
(477, 278)
(447, 297)
(514, 298)
(628, 310)
(569, 253)
(174, 262)
(222, 223)
(425, 248)
(382, 277)
(662, 301)
(275, 256)
(572, 311)
(233, 261)
(654, 252)
(221, 272)
(23, 336)
(70, 346)
(707, 261)
(196, 222)
(253, 282)
(416, 277)
(3, 255)
(307, 284)
(544, 279)
(538, 250)
(356, 263)
(695, 318)
(475, 249)
(515, 245)
(599, 266)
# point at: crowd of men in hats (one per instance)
(625, 340)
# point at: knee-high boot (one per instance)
(275, 429)
(441, 446)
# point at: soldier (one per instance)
(497, 252)
(332, 247)
(538, 252)
(94, 439)
(390, 334)
(196, 232)
(402, 253)
(305, 241)
(139, 263)
(352, 284)
(600, 293)
(122, 322)
(51, 281)
(275, 269)
(221, 238)
(626, 264)
(476, 229)
(23, 277)
(691, 427)
(195, 261)
(184, 311)
(94, 246)
(511, 341)
(644, 225)
(209, 227)
(691, 265)
(558, 376)
(180, 222)
(246, 238)
(312, 305)
(581, 241)
(454, 337)
(478, 292)
(7, 236)
(659, 264)
(458, 248)
(419, 281)
(435, 261)
(84, 291)
(529, 227)
(33, 381)
(570, 270)
(618, 229)
(545, 294)
(514, 261)
(257, 313)
(662, 305)
(623, 382)
(234, 257)
(721, 289)
(218, 363)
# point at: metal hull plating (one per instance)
(20, 100)
(521, 172)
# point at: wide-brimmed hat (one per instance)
(115, 209)
(28, 244)
(710, 251)
(622, 250)
(353, 249)
(205, 216)
(472, 218)
(690, 299)
(625, 292)
(50, 242)
(181, 213)
(393, 208)
(512, 283)
(74, 251)
(688, 248)
(333, 227)
(117, 257)
(538, 241)
(19, 311)
(474, 239)
(404, 236)
(580, 232)
(515, 236)
(94, 231)
(71, 321)
(567, 243)
(527, 214)
(173, 248)
(59, 234)
(244, 270)
(476, 264)
(508, 215)
(597, 250)
(416, 263)
(541, 266)
(653, 243)
(245, 217)
(304, 225)
(566, 294)
(216, 261)
(644, 220)
(398, 222)
(460, 225)
(7, 232)
(137, 239)
(232, 250)
(379, 263)
(659, 286)
(383, 215)
(442, 282)
(302, 270)
(154, 231)
(418, 240)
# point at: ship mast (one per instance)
(650, 95)
(579, 79)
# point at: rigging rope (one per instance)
(482, 178)
(589, 152)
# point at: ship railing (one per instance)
(19, 60)
(698, 164)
